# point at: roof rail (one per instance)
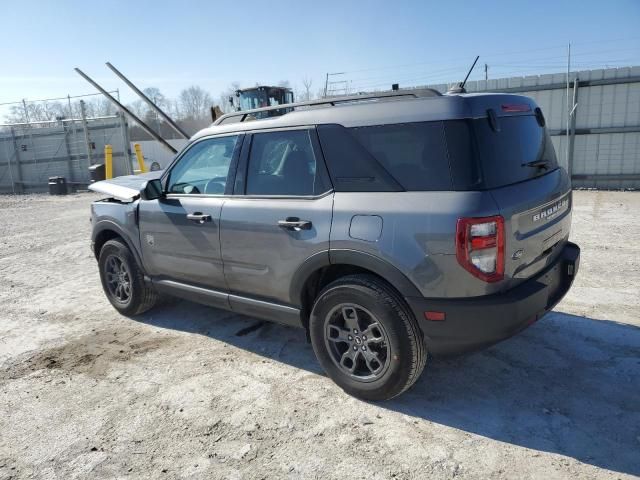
(243, 114)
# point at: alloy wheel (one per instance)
(118, 279)
(357, 342)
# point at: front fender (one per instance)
(120, 219)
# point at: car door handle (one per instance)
(198, 217)
(295, 224)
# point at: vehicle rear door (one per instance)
(180, 235)
(532, 192)
(279, 216)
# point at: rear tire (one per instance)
(366, 338)
(123, 281)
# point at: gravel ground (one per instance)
(187, 392)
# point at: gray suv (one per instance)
(390, 228)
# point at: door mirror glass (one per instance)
(152, 190)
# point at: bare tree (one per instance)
(195, 103)
(307, 95)
(140, 107)
(36, 112)
(98, 107)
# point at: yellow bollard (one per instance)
(140, 157)
(108, 161)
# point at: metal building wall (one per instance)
(606, 127)
(31, 153)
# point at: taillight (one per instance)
(480, 247)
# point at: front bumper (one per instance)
(473, 323)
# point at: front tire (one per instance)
(123, 281)
(366, 338)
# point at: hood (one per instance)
(126, 188)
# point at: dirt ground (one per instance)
(188, 392)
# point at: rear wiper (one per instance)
(538, 164)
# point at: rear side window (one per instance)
(351, 166)
(415, 154)
(283, 163)
(465, 173)
(519, 149)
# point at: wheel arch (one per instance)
(323, 268)
(105, 231)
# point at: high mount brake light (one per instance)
(480, 247)
(516, 107)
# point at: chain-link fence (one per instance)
(30, 153)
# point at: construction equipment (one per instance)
(274, 111)
(260, 97)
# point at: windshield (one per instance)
(265, 97)
(253, 99)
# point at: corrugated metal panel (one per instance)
(56, 149)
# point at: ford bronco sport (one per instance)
(389, 228)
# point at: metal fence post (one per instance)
(572, 129)
(125, 144)
(16, 150)
(87, 138)
(67, 147)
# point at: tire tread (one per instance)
(148, 296)
(393, 299)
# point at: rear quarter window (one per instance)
(415, 154)
(351, 167)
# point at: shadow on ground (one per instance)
(568, 385)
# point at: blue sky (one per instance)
(172, 45)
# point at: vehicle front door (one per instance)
(279, 216)
(179, 232)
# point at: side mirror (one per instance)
(152, 190)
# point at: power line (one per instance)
(55, 99)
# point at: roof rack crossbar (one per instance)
(323, 101)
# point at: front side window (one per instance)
(283, 163)
(204, 168)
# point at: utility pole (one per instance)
(326, 84)
(486, 72)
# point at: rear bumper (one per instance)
(473, 323)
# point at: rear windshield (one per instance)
(517, 149)
(460, 154)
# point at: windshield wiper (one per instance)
(538, 164)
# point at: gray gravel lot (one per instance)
(177, 393)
